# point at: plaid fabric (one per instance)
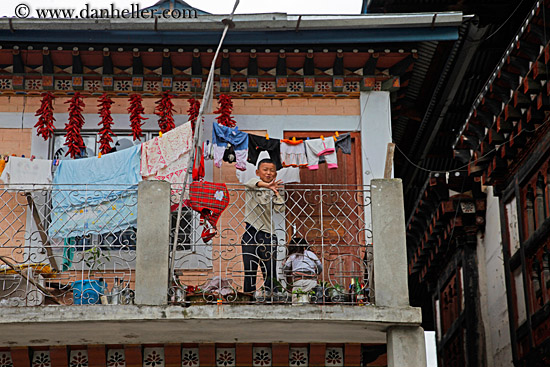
(210, 199)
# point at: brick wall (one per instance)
(15, 141)
(289, 106)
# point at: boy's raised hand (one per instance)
(274, 185)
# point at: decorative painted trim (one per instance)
(282, 84)
(262, 357)
(166, 83)
(225, 84)
(238, 87)
(334, 357)
(116, 358)
(5, 359)
(48, 82)
(153, 357)
(190, 357)
(123, 86)
(225, 357)
(152, 86)
(93, 86)
(137, 83)
(181, 86)
(78, 358)
(337, 84)
(77, 82)
(41, 358)
(33, 84)
(298, 357)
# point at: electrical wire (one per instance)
(504, 23)
(470, 161)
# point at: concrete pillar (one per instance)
(153, 238)
(389, 246)
(375, 132)
(375, 122)
(406, 346)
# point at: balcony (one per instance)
(54, 252)
(101, 267)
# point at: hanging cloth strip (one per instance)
(343, 143)
(95, 195)
(221, 135)
(25, 174)
(208, 198)
(257, 144)
(166, 158)
(318, 147)
(293, 153)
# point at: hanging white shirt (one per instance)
(287, 174)
(24, 174)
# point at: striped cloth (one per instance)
(209, 199)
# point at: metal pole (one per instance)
(206, 102)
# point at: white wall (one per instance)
(494, 306)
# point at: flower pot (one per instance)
(302, 299)
(87, 292)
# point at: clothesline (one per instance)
(232, 145)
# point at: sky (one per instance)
(7, 7)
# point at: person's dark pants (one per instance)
(258, 247)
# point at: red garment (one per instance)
(209, 199)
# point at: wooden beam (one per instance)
(389, 160)
(42, 232)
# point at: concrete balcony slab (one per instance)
(118, 324)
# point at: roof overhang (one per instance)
(275, 28)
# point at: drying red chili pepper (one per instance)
(73, 139)
(193, 111)
(44, 126)
(106, 122)
(165, 110)
(225, 108)
(136, 110)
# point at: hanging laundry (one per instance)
(166, 158)
(257, 144)
(293, 153)
(343, 143)
(221, 135)
(2, 165)
(229, 155)
(207, 150)
(95, 195)
(68, 253)
(318, 147)
(24, 174)
(286, 174)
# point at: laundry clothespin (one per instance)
(337, 134)
(294, 139)
(99, 155)
(266, 136)
(32, 158)
(307, 138)
(22, 155)
(160, 134)
(322, 137)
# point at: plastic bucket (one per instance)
(87, 292)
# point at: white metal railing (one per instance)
(77, 245)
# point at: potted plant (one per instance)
(337, 293)
(280, 294)
(302, 297)
(88, 291)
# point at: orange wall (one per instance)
(288, 106)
